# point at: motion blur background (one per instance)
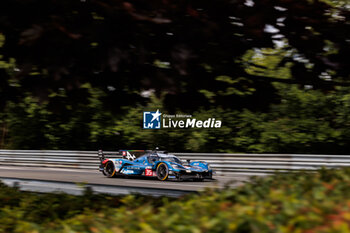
(77, 75)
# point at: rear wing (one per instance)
(102, 155)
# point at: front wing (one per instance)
(184, 174)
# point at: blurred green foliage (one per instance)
(271, 107)
(298, 202)
(304, 121)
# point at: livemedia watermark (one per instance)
(157, 120)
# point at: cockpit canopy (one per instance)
(152, 158)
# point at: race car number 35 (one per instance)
(148, 172)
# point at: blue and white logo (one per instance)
(151, 120)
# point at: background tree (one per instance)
(77, 74)
(177, 48)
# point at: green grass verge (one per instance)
(300, 202)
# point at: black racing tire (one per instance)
(109, 169)
(162, 171)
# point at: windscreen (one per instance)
(171, 159)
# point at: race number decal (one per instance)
(148, 172)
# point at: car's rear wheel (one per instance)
(109, 169)
(162, 171)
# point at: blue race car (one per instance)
(153, 164)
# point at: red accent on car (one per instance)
(148, 172)
(105, 161)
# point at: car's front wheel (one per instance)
(162, 171)
(109, 169)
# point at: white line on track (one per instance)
(167, 183)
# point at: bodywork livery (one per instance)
(153, 164)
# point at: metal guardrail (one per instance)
(251, 164)
(45, 186)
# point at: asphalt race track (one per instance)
(73, 180)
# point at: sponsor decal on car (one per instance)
(128, 172)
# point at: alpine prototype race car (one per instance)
(153, 164)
